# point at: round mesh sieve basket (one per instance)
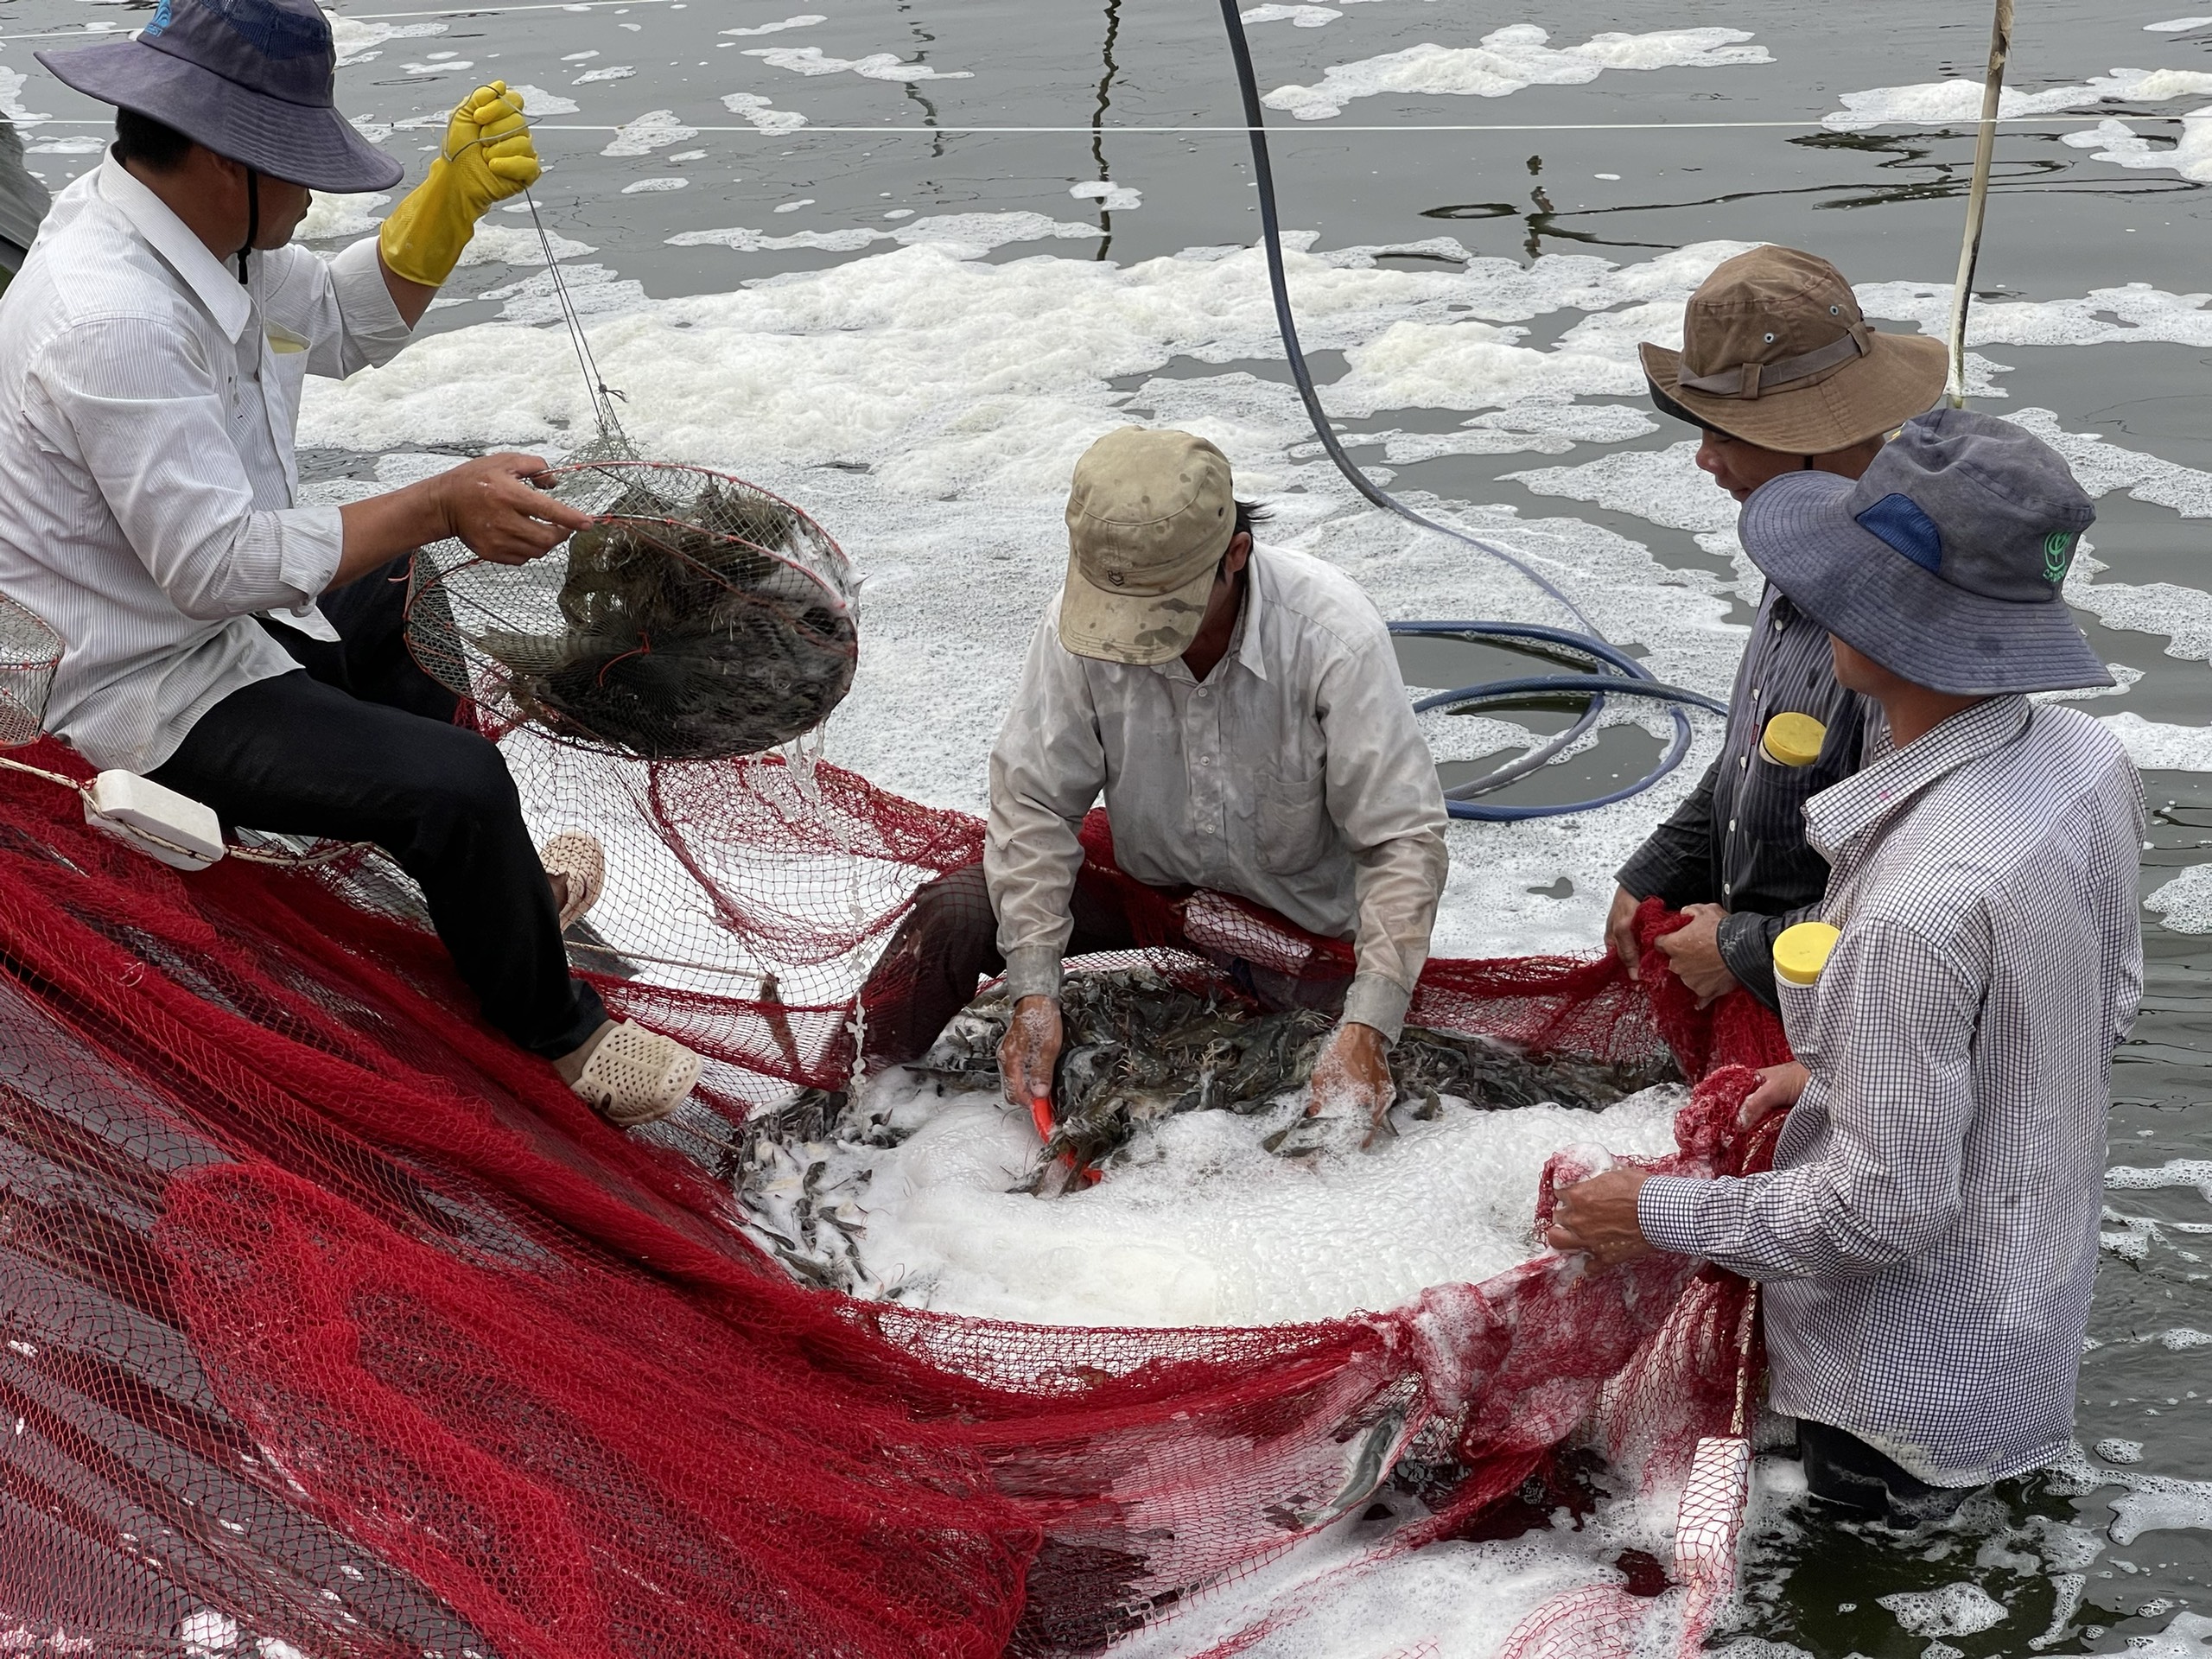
(700, 619)
(29, 652)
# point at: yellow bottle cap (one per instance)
(1802, 951)
(1794, 740)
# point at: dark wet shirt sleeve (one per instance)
(1676, 862)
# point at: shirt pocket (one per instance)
(1800, 1013)
(1295, 832)
(1772, 805)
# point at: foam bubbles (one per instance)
(804, 20)
(1113, 198)
(751, 106)
(1961, 1609)
(879, 65)
(360, 42)
(1297, 17)
(1945, 103)
(1203, 1227)
(2117, 143)
(654, 130)
(1509, 60)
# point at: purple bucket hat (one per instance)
(1945, 563)
(252, 79)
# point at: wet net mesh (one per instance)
(700, 619)
(333, 1326)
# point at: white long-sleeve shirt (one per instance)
(147, 406)
(1295, 775)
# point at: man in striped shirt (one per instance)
(1782, 374)
(1927, 1237)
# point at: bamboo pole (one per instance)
(1992, 89)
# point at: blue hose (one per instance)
(1613, 671)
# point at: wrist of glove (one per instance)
(488, 156)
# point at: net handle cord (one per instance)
(1745, 1331)
(282, 860)
(1985, 150)
(1613, 669)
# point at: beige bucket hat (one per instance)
(1776, 352)
(1150, 513)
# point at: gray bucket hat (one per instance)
(1945, 563)
(252, 79)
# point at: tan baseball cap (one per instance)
(1149, 515)
(1776, 352)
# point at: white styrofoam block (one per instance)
(131, 808)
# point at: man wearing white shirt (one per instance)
(1240, 710)
(152, 354)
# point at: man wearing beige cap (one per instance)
(1242, 710)
(1782, 374)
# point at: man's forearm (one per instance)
(412, 299)
(1397, 887)
(382, 527)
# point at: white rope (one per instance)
(286, 861)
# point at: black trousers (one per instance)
(361, 746)
(1843, 1470)
(949, 940)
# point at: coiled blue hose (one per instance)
(1612, 671)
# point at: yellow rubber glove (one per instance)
(488, 157)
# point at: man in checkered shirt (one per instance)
(1927, 1237)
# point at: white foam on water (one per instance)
(1113, 198)
(1297, 17)
(2118, 1451)
(2132, 311)
(329, 217)
(2175, 1171)
(2121, 145)
(970, 235)
(1204, 1227)
(751, 106)
(358, 42)
(642, 187)
(1509, 61)
(539, 103)
(11, 99)
(1942, 103)
(878, 65)
(612, 72)
(2154, 745)
(1961, 1609)
(1332, 1597)
(804, 20)
(2184, 904)
(654, 130)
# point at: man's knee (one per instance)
(463, 775)
(954, 912)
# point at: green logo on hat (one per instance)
(2058, 554)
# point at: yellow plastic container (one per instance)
(1794, 740)
(1802, 951)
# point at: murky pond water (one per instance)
(678, 162)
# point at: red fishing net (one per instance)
(334, 1325)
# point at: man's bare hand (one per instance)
(1029, 1050)
(1779, 1087)
(1353, 1075)
(495, 510)
(1598, 1217)
(1620, 932)
(1693, 952)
